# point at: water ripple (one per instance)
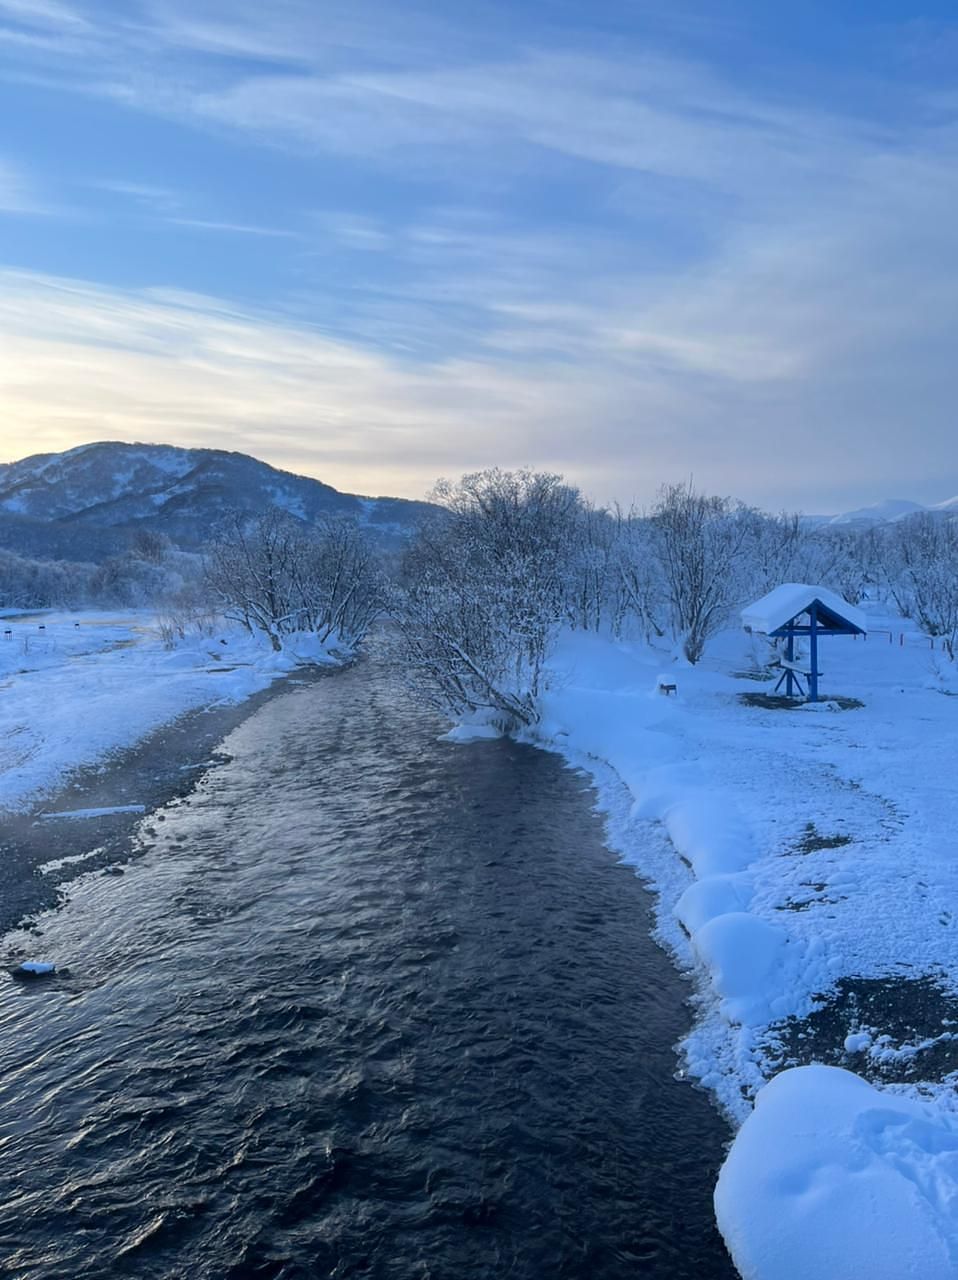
(369, 1005)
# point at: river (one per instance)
(366, 1004)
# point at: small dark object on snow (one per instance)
(667, 688)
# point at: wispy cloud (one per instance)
(593, 255)
(86, 363)
(18, 194)
(235, 228)
(42, 13)
(144, 194)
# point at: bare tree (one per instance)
(277, 576)
(923, 564)
(702, 544)
(485, 591)
(640, 586)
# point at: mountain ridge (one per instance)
(183, 492)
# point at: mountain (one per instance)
(91, 498)
(879, 512)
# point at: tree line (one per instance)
(507, 559)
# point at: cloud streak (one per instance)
(599, 258)
(88, 363)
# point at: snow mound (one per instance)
(829, 1177)
(742, 953)
(714, 896)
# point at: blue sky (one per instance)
(379, 243)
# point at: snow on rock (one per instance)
(858, 1042)
(829, 1177)
(791, 599)
(105, 812)
(470, 733)
(742, 954)
(714, 896)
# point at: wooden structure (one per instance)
(796, 610)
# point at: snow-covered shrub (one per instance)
(922, 563)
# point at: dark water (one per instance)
(370, 1005)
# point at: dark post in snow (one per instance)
(790, 681)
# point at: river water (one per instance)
(367, 1005)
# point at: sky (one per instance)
(378, 243)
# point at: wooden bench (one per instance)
(797, 669)
(667, 688)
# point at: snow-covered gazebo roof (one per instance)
(772, 614)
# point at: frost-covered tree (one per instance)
(592, 584)
(486, 588)
(703, 545)
(26, 583)
(277, 576)
(922, 563)
(641, 595)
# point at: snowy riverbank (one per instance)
(75, 687)
(815, 844)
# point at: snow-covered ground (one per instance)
(76, 686)
(789, 848)
(814, 843)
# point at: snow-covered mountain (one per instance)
(890, 510)
(879, 512)
(182, 492)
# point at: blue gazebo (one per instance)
(797, 609)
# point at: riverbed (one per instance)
(365, 1003)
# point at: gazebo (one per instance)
(797, 609)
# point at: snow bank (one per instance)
(745, 957)
(830, 1178)
(806, 848)
(89, 683)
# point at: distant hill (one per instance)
(879, 512)
(86, 501)
(891, 509)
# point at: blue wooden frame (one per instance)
(822, 621)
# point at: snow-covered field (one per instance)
(76, 686)
(814, 843)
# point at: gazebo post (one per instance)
(813, 650)
(790, 657)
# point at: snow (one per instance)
(791, 599)
(72, 695)
(95, 813)
(878, 512)
(858, 1042)
(832, 1177)
(711, 799)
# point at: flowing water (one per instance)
(367, 1005)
